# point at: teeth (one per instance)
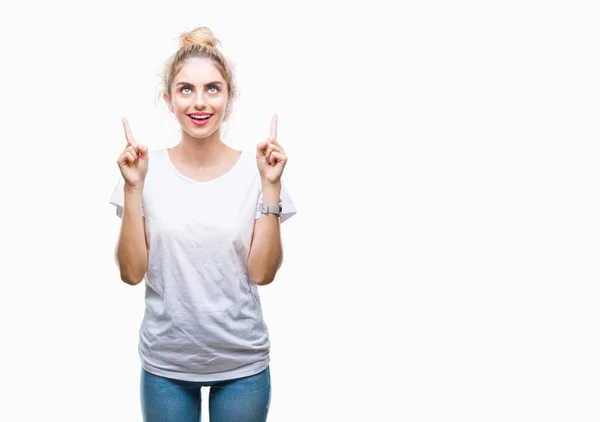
(199, 118)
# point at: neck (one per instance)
(201, 152)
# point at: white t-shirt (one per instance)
(203, 318)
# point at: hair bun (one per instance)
(199, 36)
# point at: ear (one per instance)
(230, 101)
(169, 103)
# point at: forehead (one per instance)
(198, 71)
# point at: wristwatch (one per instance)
(272, 209)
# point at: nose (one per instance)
(199, 102)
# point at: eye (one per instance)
(185, 87)
(216, 88)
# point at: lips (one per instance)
(200, 122)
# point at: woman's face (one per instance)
(198, 91)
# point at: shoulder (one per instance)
(157, 153)
(245, 171)
(246, 154)
(157, 166)
(157, 158)
(248, 160)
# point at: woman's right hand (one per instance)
(133, 161)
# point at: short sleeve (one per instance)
(118, 197)
(287, 205)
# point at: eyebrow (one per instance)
(206, 84)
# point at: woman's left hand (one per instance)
(270, 157)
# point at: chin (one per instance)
(200, 133)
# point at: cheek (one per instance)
(178, 105)
(179, 102)
(218, 102)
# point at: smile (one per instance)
(199, 122)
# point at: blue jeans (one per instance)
(244, 399)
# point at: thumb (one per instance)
(260, 148)
(142, 150)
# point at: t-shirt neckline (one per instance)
(198, 182)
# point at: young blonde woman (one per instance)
(201, 224)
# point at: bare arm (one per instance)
(266, 253)
(132, 249)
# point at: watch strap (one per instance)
(271, 209)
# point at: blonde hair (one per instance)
(199, 43)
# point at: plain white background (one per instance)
(443, 265)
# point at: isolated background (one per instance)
(443, 264)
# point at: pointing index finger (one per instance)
(128, 133)
(274, 128)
